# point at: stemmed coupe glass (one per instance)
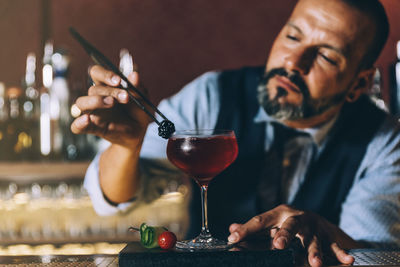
(202, 154)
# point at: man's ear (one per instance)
(361, 85)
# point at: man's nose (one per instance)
(299, 60)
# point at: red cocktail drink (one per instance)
(202, 154)
(202, 157)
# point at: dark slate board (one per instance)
(136, 255)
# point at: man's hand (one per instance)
(284, 223)
(108, 111)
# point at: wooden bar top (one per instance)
(38, 171)
(113, 260)
(60, 261)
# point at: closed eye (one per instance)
(291, 37)
(329, 60)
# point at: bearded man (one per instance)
(317, 159)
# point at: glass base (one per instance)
(203, 243)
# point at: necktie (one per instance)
(297, 155)
(284, 163)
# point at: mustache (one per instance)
(293, 77)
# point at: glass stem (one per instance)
(204, 220)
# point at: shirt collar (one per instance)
(318, 134)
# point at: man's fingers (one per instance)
(341, 255)
(106, 82)
(233, 227)
(288, 230)
(273, 231)
(80, 124)
(100, 75)
(90, 124)
(256, 224)
(91, 103)
(97, 125)
(314, 252)
(120, 94)
(133, 77)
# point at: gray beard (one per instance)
(291, 112)
(277, 110)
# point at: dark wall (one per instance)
(20, 33)
(388, 57)
(173, 41)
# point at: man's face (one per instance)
(314, 60)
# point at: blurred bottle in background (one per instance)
(60, 95)
(57, 140)
(3, 121)
(31, 107)
(45, 109)
(375, 92)
(59, 88)
(395, 93)
(125, 64)
(35, 119)
(18, 139)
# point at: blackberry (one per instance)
(166, 129)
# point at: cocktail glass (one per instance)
(202, 154)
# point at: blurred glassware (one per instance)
(125, 64)
(396, 89)
(45, 102)
(3, 122)
(59, 103)
(375, 92)
(31, 108)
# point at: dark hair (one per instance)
(374, 10)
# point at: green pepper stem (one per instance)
(133, 229)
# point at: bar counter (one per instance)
(60, 261)
(45, 214)
(135, 255)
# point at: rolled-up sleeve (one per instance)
(195, 106)
(92, 185)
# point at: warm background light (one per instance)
(172, 41)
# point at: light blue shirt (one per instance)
(371, 211)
